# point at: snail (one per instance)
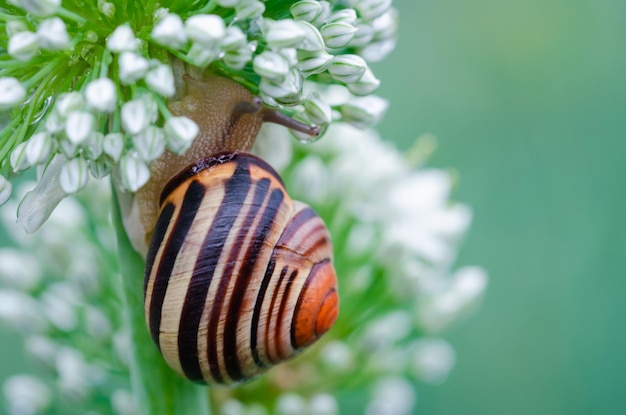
(238, 276)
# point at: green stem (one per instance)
(71, 16)
(156, 388)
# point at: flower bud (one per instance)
(323, 404)
(249, 9)
(135, 116)
(386, 26)
(54, 123)
(132, 67)
(161, 80)
(38, 148)
(238, 59)
(375, 52)
(371, 9)
(94, 146)
(113, 145)
(343, 16)
(106, 8)
(101, 95)
(271, 65)
(180, 133)
(135, 173)
(68, 102)
(234, 39)
(23, 46)
(337, 35)
(323, 16)
(52, 34)
(12, 93)
(284, 34)
(363, 35)
(5, 190)
(201, 55)
(68, 148)
(39, 8)
(122, 40)
(205, 29)
(170, 31)
(306, 10)
(78, 126)
(364, 112)
(74, 175)
(15, 26)
(317, 110)
(149, 143)
(347, 68)
(310, 63)
(291, 85)
(100, 168)
(366, 85)
(18, 158)
(313, 40)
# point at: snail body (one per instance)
(239, 277)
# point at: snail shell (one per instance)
(238, 276)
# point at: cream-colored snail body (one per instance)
(238, 276)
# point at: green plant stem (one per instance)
(156, 388)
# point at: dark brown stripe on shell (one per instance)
(257, 312)
(294, 225)
(157, 239)
(283, 272)
(191, 202)
(257, 243)
(235, 191)
(281, 315)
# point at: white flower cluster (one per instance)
(57, 295)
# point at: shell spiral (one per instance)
(238, 276)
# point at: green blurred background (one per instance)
(527, 100)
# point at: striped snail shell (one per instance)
(238, 276)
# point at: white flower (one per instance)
(432, 359)
(68, 102)
(234, 39)
(180, 133)
(249, 9)
(310, 63)
(317, 110)
(393, 395)
(371, 9)
(39, 8)
(375, 52)
(132, 67)
(18, 158)
(201, 55)
(363, 35)
(101, 95)
(123, 403)
(323, 16)
(366, 85)
(338, 34)
(291, 404)
(170, 31)
(79, 126)
(135, 116)
(347, 68)
(344, 16)
(5, 190)
(15, 26)
(93, 145)
(12, 93)
(74, 175)
(307, 10)
(21, 311)
(113, 145)
(205, 29)
(135, 172)
(73, 372)
(323, 404)
(288, 87)
(161, 80)
(38, 148)
(271, 65)
(23, 46)
(25, 394)
(312, 40)
(149, 143)
(99, 168)
(364, 111)
(52, 34)
(122, 40)
(238, 59)
(284, 34)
